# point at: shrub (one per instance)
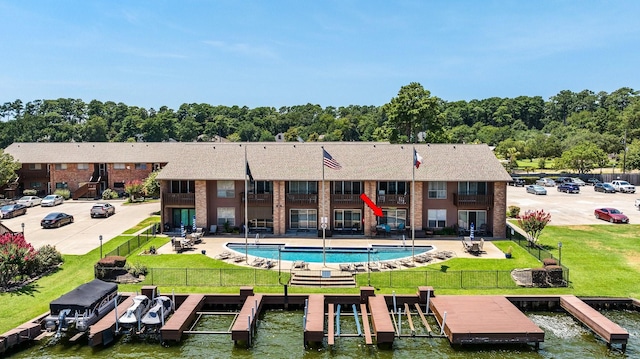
(533, 222)
(47, 257)
(29, 192)
(136, 270)
(65, 193)
(514, 212)
(17, 258)
(109, 194)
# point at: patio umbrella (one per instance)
(183, 232)
(193, 227)
(471, 230)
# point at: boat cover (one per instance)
(86, 296)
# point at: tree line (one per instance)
(521, 127)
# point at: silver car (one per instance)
(29, 201)
(535, 189)
(546, 182)
(52, 200)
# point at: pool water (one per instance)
(333, 254)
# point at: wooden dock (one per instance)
(611, 332)
(182, 318)
(314, 326)
(245, 324)
(104, 331)
(23, 333)
(484, 320)
(381, 320)
(331, 324)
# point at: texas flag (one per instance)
(417, 159)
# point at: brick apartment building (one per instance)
(455, 186)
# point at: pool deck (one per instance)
(216, 244)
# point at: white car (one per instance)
(29, 201)
(52, 200)
(623, 186)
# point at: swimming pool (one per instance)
(333, 254)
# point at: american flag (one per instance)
(329, 161)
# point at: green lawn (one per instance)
(604, 260)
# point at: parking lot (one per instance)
(82, 236)
(568, 209)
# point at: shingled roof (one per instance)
(281, 161)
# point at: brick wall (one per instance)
(279, 210)
(202, 215)
(499, 210)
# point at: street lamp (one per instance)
(22, 225)
(100, 237)
(560, 253)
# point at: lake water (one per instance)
(280, 336)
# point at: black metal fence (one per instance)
(135, 242)
(226, 277)
(443, 279)
(535, 250)
(215, 277)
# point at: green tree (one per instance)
(151, 185)
(533, 222)
(411, 112)
(8, 167)
(581, 158)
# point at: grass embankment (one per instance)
(604, 260)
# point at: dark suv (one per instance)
(568, 188)
(516, 181)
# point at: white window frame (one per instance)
(226, 189)
(119, 166)
(311, 221)
(35, 166)
(140, 166)
(437, 190)
(436, 218)
(60, 166)
(226, 214)
(463, 218)
(83, 166)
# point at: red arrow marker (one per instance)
(376, 210)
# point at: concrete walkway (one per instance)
(215, 245)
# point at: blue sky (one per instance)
(331, 53)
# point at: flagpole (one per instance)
(246, 208)
(413, 205)
(323, 224)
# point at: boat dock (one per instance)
(104, 331)
(314, 319)
(611, 332)
(21, 334)
(381, 320)
(182, 318)
(246, 321)
(484, 320)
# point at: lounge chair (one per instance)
(374, 267)
(345, 267)
(224, 255)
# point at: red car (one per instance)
(611, 214)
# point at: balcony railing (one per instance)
(302, 198)
(179, 199)
(473, 200)
(338, 199)
(393, 199)
(258, 199)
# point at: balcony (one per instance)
(258, 199)
(179, 199)
(472, 201)
(298, 198)
(347, 199)
(392, 199)
(26, 175)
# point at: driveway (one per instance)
(573, 209)
(82, 236)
